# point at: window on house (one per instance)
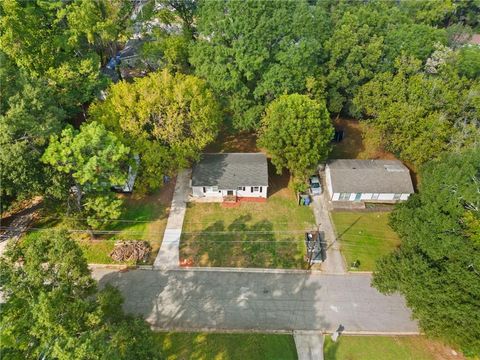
(254, 189)
(397, 196)
(260, 189)
(242, 188)
(214, 188)
(204, 189)
(375, 196)
(344, 196)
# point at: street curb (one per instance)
(290, 332)
(221, 331)
(243, 270)
(380, 333)
(221, 269)
(111, 266)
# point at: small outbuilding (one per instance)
(237, 175)
(368, 180)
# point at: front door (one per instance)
(229, 192)
(358, 196)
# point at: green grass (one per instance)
(383, 348)
(364, 236)
(144, 218)
(205, 346)
(251, 240)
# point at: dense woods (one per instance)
(278, 68)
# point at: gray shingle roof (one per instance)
(370, 176)
(231, 170)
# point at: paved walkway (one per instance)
(168, 255)
(209, 300)
(334, 263)
(309, 345)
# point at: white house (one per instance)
(368, 180)
(239, 175)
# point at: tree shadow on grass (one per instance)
(241, 244)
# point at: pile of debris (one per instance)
(130, 251)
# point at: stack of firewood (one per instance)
(130, 251)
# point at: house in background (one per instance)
(217, 177)
(368, 180)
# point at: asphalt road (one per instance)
(216, 300)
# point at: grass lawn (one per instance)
(206, 346)
(364, 236)
(248, 235)
(386, 348)
(144, 218)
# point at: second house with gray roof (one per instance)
(227, 175)
(368, 180)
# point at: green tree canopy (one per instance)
(437, 266)
(30, 117)
(297, 132)
(93, 160)
(52, 309)
(419, 114)
(167, 119)
(469, 62)
(63, 42)
(366, 39)
(252, 51)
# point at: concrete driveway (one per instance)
(334, 263)
(224, 300)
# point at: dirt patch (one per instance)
(243, 142)
(361, 141)
(163, 196)
(437, 349)
(278, 183)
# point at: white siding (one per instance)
(366, 196)
(386, 196)
(404, 196)
(335, 196)
(352, 196)
(250, 193)
(197, 191)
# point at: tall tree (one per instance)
(64, 42)
(366, 39)
(52, 310)
(437, 267)
(31, 117)
(94, 160)
(297, 132)
(252, 51)
(167, 119)
(419, 114)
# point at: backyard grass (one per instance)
(364, 237)
(205, 346)
(361, 141)
(386, 348)
(267, 235)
